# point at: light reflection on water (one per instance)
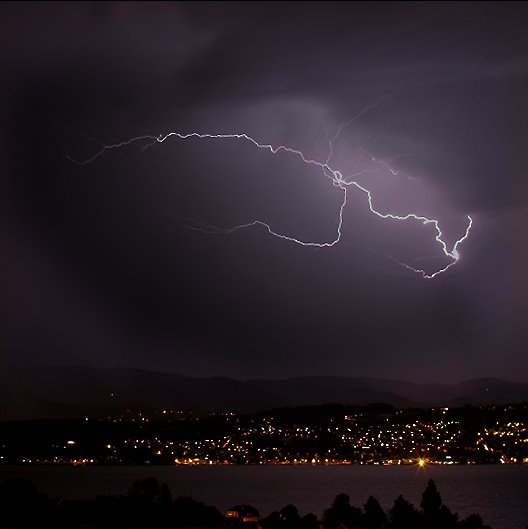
(498, 492)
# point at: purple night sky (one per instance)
(101, 265)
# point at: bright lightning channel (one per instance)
(336, 176)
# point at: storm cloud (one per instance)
(101, 266)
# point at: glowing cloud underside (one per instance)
(343, 183)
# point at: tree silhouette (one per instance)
(431, 500)
(21, 505)
(290, 517)
(436, 515)
(310, 521)
(473, 521)
(375, 517)
(273, 521)
(342, 514)
(145, 490)
(403, 515)
(165, 496)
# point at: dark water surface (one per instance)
(498, 492)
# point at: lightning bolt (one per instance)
(341, 182)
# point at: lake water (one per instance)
(498, 492)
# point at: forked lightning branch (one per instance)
(341, 182)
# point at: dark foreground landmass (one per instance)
(328, 434)
(149, 504)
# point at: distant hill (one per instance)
(71, 392)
